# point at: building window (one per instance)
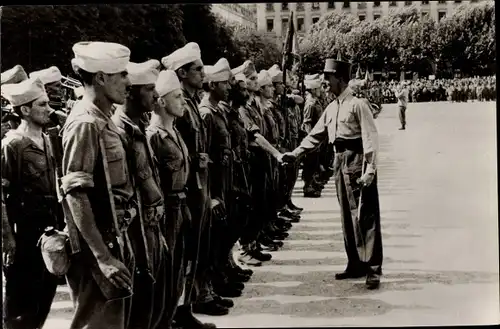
(407, 3)
(362, 17)
(315, 5)
(269, 6)
(315, 20)
(458, 1)
(270, 25)
(392, 4)
(284, 6)
(376, 3)
(331, 5)
(300, 24)
(376, 16)
(442, 2)
(441, 15)
(284, 24)
(300, 6)
(361, 5)
(425, 2)
(346, 4)
(473, 1)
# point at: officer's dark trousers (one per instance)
(92, 309)
(362, 236)
(29, 287)
(148, 301)
(178, 219)
(260, 178)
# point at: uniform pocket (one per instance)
(116, 165)
(35, 164)
(174, 164)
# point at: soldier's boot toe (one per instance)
(210, 308)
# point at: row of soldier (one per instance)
(156, 184)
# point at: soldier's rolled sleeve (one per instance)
(317, 135)
(250, 125)
(369, 134)
(80, 151)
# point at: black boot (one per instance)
(185, 319)
(210, 308)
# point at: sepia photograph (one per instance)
(249, 165)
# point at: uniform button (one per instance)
(110, 245)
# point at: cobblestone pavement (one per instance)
(438, 194)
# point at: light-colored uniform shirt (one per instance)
(402, 97)
(347, 117)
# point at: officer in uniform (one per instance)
(312, 113)
(51, 78)
(147, 239)
(98, 191)
(29, 206)
(173, 163)
(216, 86)
(186, 62)
(349, 122)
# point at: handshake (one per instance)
(287, 158)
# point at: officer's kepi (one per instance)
(337, 67)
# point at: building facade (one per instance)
(273, 17)
(237, 13)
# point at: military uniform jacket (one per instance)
(28, 182)
(193, 132)
(348, 117)
(219, 148)
(312, 112)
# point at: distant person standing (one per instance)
(401, 93)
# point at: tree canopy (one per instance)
(407, 41)
(40, 36)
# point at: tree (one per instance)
(466, 39)
(256, 46)
(326, 39)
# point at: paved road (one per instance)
(438, 194)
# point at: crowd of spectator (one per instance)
(454, 90)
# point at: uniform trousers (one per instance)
(259, 179)
(29, 286)
(402, 115)
(198, 240)
(94, 310)
(362, 234)
(178, 220)
(148, 301)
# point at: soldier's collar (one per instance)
(125, 119)
(345, 94)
